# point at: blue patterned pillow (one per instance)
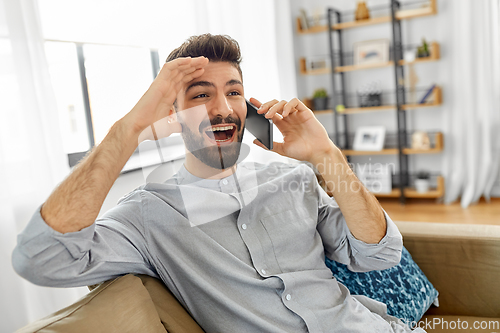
(403, 288)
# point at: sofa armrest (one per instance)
(119, 305)
(461, 261)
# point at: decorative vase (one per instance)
(422, 185)
(362, 12)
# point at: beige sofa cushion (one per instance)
(123, 305)
(172, 315)
(461, 261)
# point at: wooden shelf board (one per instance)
(361, 67)
(362, 23)
(410, 192)
(313, 30)
(438, 148)
(416, 106)
(400, 15)
(418, 12)
(418, 60)
(411, 151)
(321, 71)
(368, 109)
(389, 151)
(350, 68)
(380, 108)
(431, 194)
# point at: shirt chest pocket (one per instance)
(292, 236)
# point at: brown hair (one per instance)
(214, 47)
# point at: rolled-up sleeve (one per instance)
(341, 246)
(112, 246)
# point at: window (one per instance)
(117, 77)
(102, 58)
(64, 71)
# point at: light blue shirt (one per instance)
(243, 253)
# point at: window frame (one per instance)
(76, 157)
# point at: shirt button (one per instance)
(288, 297)
(263, 271)
(244, 226)
(224, 181)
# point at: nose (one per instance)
(221, 107)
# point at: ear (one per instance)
(171, 112)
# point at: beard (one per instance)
(217, 157)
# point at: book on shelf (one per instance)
(427, 94)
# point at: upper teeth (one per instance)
(221, 128)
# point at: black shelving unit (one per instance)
(339, 95)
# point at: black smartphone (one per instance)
(259, 126)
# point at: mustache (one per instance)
(219, 120)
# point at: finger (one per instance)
(275, 109)
(295, 105)
(172, 68)
(196, 74)
(255, 102)
(265, 107)
(277, 146)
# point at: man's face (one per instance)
(213, 136)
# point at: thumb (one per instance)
(277, 147)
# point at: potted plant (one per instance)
(320, 99)
(422, 182)
(423, 50)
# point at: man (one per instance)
(241, 251)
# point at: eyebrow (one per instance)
(210, 84)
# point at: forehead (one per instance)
(219, 71)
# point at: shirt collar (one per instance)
(184, 177)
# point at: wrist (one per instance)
(331, 155)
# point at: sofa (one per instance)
(461, 261)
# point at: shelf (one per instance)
(438, 148)
(400, 15)
(434, 56)
(410, 192)
(436, 97)
(368, 109)
(305, 71)
(350, 68)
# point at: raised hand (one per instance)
(304, 137)
(154, 106)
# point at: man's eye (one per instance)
(201, 96)
(234, 93)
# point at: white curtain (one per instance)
(32, 160)
(473, 141)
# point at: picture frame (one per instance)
(377, 177)
(371, 52)
(369, 138)
(317, 62)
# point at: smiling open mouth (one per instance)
(221, 133)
